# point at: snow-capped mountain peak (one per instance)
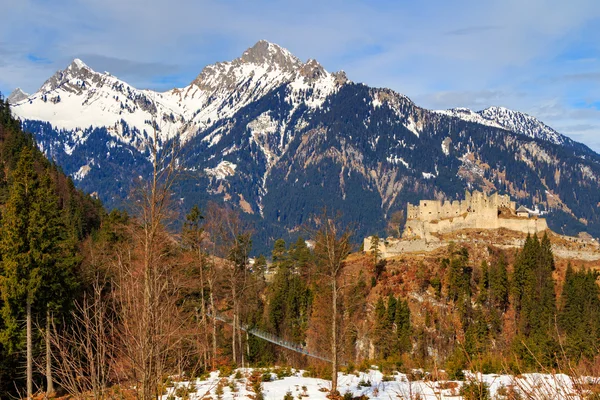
(16, 96)
(79, 97)
(76, 74)
(264, 52)
(78, 64)
(264, 64)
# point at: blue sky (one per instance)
(537, 56)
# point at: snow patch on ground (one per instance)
(446, 146)
(374, 385)
(83, 171)
(222, 170)
(397, 160)
(411, 125)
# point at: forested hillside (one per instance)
(44, 220)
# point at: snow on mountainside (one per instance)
(280, 139)
(514, 121)
(79, 97)
(522, 123)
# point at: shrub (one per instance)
(225, 370)
(288, 396)
(219, 390)
(266, 376)
(364, 383)
(475, 390)
(183, 392)
(256, 385)
(283, 372)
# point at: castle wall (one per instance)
(389, 248)
(432, 218)
(429, 210)
(529, 225)
(484, 220)
(476, 203)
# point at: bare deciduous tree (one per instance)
(332, 246)
(232, 243)
(147, 285)
(84, 352)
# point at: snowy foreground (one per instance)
(373, 385)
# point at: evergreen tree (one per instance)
(30, 250)
(381, 329)
(279, 255)
(391, 311)
(579, 317)
(498, 284)
(535, 301)
(523, 270)
(289, 297)
(300, 256)
(484, 285)
(403, 328)
(375, 248)
(260, 265)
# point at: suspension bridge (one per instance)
(269, 337)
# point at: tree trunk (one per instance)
(334, 345)
(49, 382)
(240, 343)
(203, 312)
(29, 352)
(214, 327)
(234, 326)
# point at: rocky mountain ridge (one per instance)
(279, 139)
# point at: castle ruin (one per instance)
(476, 211)
(428, 221)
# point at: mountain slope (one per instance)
(514, 121)
(279, 139)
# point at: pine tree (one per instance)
(403, 327)
(498, 284)
(535, 301)
(579, 317)
(391, 311)
(279, 255)
(300, 257)
(32, 278)
(484, 285)
(193, 232)
(375, 248)
(381, 329)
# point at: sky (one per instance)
(541, 57)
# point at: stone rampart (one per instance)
(428, 229)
